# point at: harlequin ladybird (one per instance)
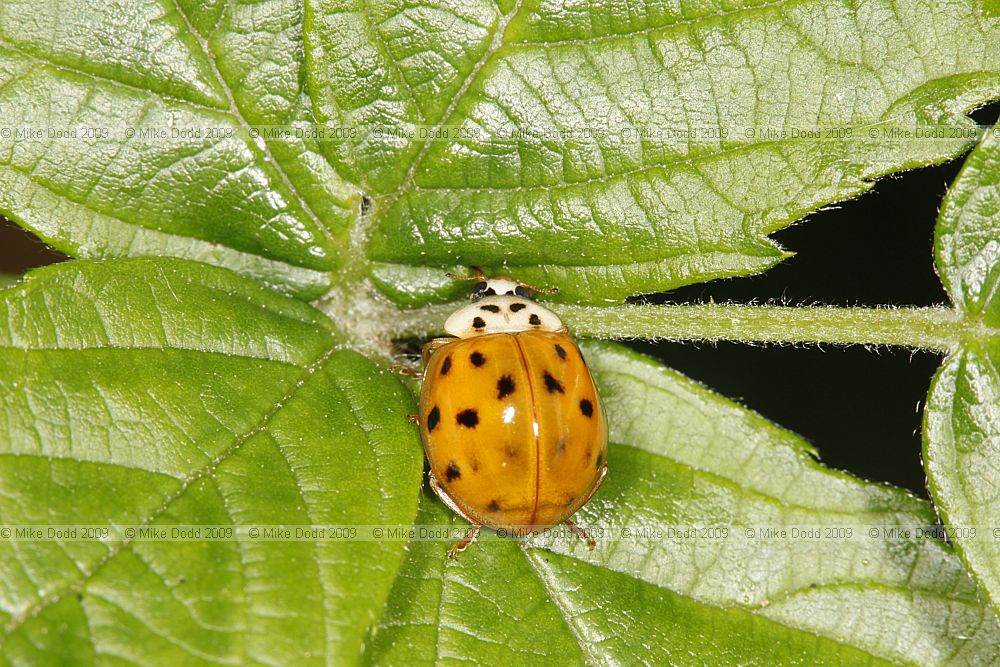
(510, 418)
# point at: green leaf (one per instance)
(962, 420)
(158, 392)
(599, 148)
(161, 393)
(657, 144)
(682, 457)
(306, 139)
(190, 181)
(967, 237)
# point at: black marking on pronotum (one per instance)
(505, 386)
(494, 506)
(446, 365)
(514, 307)
(477, 359)
(490, 308)
(468, 418)
(521, 290)
(587, 408)
(534, 319)
(478, 323)
(561, 351)
(552, 384)
(433, 417)
(453, 472)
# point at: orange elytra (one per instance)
(511, 422)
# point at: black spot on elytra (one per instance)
(453, 472)
(477, 359)
(490, 308)
(475, 464)
(534, 319)
(552, 384)
(514, 307)
(478, 323)
(446, 366)
(468, 418)
(494, 506)
(587, 408)
(505, 386)
(561, 351)
(433, 417)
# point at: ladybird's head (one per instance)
(501, 305)
(499, 286)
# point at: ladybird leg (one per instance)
(432, 346)
(581, 533)
(440, 492)
(597, 484)
(464, 543)
(413, 419)
(406, 368)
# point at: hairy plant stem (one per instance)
(936, 328)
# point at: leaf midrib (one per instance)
(767, 497)
(76, 584)
(61, 195)
(237, 113)
(42, 61)
(233, 112)
(150, 349)
(707, 17)
(690, 160)
(496, 44)
(556, 596)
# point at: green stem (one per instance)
(936, 328)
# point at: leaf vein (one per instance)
(206, 471)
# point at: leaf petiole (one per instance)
(935, 328)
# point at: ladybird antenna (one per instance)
(477, 275)
(539, 290)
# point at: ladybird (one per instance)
(510, 419)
